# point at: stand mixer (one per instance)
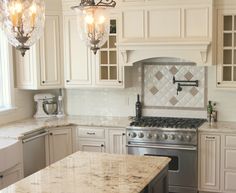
(46, 105)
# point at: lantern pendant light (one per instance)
(22, 22)
(94, 22)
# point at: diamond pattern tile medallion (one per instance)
(188, 75)
(159, 75)
(173, 70)
(194, 91)
(174, 101)
(159, 91)
(154, 90)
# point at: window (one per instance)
(5, 75)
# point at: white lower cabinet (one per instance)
(91, 139)
(229, 163)
(60, 144)
(217, 162)
(11, 176)
(209, 159)
(91, 146)
(117, 141)
(97, 139)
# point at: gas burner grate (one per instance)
(168, 122)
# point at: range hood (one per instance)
(199, 53)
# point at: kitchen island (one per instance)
(86, 172)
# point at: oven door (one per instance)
(182, 168)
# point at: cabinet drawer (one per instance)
(230, 184)
(230, 141)
(230, 159)
(91, 133)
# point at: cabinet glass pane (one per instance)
(228, 40)
(234, 56)
(104, 57)
(227, 57)
(113, 26)
(234, 39)
(112, 57)
(235, 23)
(228, 23)
(227, 73)
(105, 45)
(104, 72)
(113, 72)
(234, 73)
(112, 42)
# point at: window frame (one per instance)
(7, 76)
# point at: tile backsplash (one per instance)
(158, 90)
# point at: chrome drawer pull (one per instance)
(207, 137)
(89, 133)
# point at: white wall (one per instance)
(24, 107)
(104, 102)
(225, 98)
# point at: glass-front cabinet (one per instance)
(226, 55)
(108, 71)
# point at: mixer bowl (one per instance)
(50, 108)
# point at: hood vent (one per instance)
(193, 52)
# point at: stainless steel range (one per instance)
(172, 137)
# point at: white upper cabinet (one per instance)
(77, 58)
(84, 69)
(161, 23)
(50, 52)
(41, 66)
(226, 48)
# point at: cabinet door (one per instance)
(108, 70)
(60, 144)
(77, 56)
(117, 141)
(50, 53)
(209, 162)
(25, 69)
(226, 49)
(91, 146)
(11, 176)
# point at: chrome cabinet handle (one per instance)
(34, 137)
(91, 133)
(210, 137)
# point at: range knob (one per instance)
(133, 135)
(140, 135)
(188, 138)
(149, 135)
(172, 137)
(156, 136)
(164, 136)
(180, 137)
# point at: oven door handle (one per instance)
(164, 147)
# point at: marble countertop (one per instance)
(219, 127)
(85, 172)
(20, 128)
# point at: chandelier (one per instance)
(22, 22)
(93, 22)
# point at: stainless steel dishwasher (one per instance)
(34, 152)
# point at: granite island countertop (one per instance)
(84, 172)
(20, 128)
